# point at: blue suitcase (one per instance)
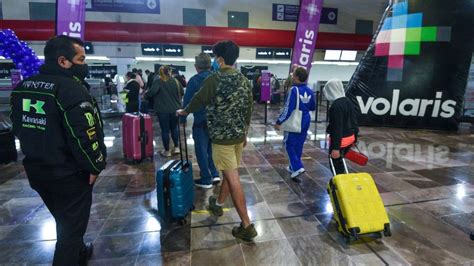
(175, 188)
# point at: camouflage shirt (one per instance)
(227, 96)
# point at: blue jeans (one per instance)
(202, 147)
(168, 122)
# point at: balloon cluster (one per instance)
(24, 58)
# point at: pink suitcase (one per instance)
(137, 135)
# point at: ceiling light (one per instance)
(98, 58)
(347, 55)
(332, 55)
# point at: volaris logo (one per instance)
(38, 106)
(408, 107)
(401, 35)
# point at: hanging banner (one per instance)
(306, 33)
(70, 17)
(265, 91)
(283, 12)
(415, 71)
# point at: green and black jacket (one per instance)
(58, 124)
(227, 96)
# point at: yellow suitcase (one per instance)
(358, 207)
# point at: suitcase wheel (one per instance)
(193, 208)
(182, 222)
(378, 235)
(472, 236)
(350, 239)
(386, 231)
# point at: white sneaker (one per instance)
(216, 179)
(289, 170)
(175, 151)
(297, 172)
(165, 153)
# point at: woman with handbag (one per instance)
(343, 127)
(295, 119)
(167, 95)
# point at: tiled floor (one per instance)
(426, 179)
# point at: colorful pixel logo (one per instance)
(401, 35)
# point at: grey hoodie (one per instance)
(334, 90)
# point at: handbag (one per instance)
(293, 123)
(356, 156)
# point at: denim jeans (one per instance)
(168, 122)
(202, 147)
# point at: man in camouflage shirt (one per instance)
(227, 95)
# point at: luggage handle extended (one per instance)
(332, 165)
(183, 163)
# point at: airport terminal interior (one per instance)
(416, 128)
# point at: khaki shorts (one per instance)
(227, 157)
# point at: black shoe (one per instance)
(246, 234)
(86, 253)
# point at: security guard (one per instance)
(59, 127)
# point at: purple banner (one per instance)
(306, 33)
(265, 93)
(283, 12)
(16, 77)
(70, 17)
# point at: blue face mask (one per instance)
(215, 65)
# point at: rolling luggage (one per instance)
(175, 186)
(7, 146)
(137, 135)
(358, 207)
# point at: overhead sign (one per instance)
(172, 50)
(124, 6)
(306, 33)
(207, 49)
(415, 71)
(70, 17)
(100, 71)
(273, 53)
(89, 48)
(264, 53)
(152, 49)
(5, 70)
(282, 53)
(283, 12)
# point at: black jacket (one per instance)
(342, 121)
(58, 124)
(132, 96)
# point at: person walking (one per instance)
(167, 94)
(227, 96)
(133, 90)
(302, 96)
(59, 127)
(343, 127)
(202, 141)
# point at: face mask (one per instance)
(80, 71)
(215, 65)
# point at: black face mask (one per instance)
(79, 71)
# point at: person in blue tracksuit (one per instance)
(202, 141)
(294, 141)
